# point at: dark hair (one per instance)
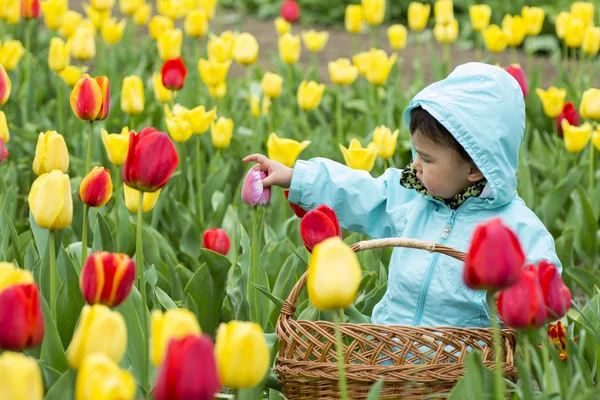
(431, 129)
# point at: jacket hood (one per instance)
(482, 106)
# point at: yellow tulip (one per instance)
(100, 330)
(357, 157)
(169, 44)
(289, 48)
(173, 324)
(209, 7)
(515, 28)
(102, 5)
(418, 14)
(132, 95)
(201, 119)
(562, 20)
(221, 132)
(342, 72)
(50, 200)
(443, 11)
(245, 49)
(379, 66)
(575, 137)
(480, 16)
(334, 275)
(314, 41)
(495, 38)
(220, 47)
(242, 354)
(11, 275)
(310, 95)
(374, 11)
(158, 25)
(21, 377)
(71, 20)
(11, 52)
(553, 100)
(361, 61)
(12, 12)
(218, 91)
(4, 133)
(282, 26)
(596, 138)
(100, 378)
(50, 153)
(255, 106)
(212, 71)
(96, 17)
(142, 14)
(71, 74)
(354, 18)
(196, 23)
(58, 55)
(386, 141)
(83, 45)
(178, 122)
(161, 93)
(591, 40)
(584, 11)
(112, 32)
(574, 32)
(116, 145)
(129, 7)
(132, 199)
(54, 12)
(271, 85)
(534, 19)
(397, 36)
(285, 151)
(447, 32)
(174, 9)
(590, 104)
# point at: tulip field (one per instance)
(142, 258)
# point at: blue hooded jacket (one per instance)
(482, 106)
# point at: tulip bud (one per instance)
(158, 25)
(362, 61)
(318, 225)
(495, 257)
(179, 123)
(21, 377)
(282, 26)
(418, 14)
(30, 9)
(495, 38)
(562, 19)
(83, 45)
(3, 151)
(70, 21)
(142, 14)
(221, 132)
(90, 98)
(590, 104)
(253, 192)
(91, 335)
(570, 114)
(99, 377)
(534, 19)
(310, 95)
(576, 137)
(11, 52)
(357, 157)
(334, 275)
(386, 141)
(96, 188)
(132, 95)
(299, 211)
(161, 93)
(271, 85)
(353, 18)
(173, 73)
(285, 151)
(255, 105)
(216, 240)
(116, 145)
(557, 334)
(574, 32)
(315, 41)
(220, 47)
(196, 23)
(517, 72)
(591, 40)
(515, 28)
(446, 32)
(129, 7)
(71, 74)
(4, 133)
(290, 11)
(151, 160)
(11, 275)
(11, 12)
(521, 305)
(50, 153)
(553, 100)
(342, 72)
(584, 11)
(242, 354)
(208, 6)
(397, 36)
(54, 12)
(289, 48)
(374, 11)
(173, 324)
(189, 370)
(480, 16)
(21, 315)
(443, 11)
(132, 199)
(50, 200)
(107, 278)
(169, 44)
(245, 49)
(557, 295)
(5, 85)
(58, 55)
(219, 91)
(202, 119)
(112, 32)
(213, 72)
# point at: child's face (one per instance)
(441, 169)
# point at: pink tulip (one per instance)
(253, 192)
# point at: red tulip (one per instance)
(173, 73)
(557, 295)
(299, 211)
(3, 151)
(569, 113)
(96, 188)
(5, 85)
(107, 278)
(495, 257)
(318, 225)
(90, 98)
(151, 160)
(557, 335)
(30, 9)
(189, 370)
(216, 240)
(517, 72)
(522, 304)
(290, 11)
(21, 318)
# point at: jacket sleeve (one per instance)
(362, 203)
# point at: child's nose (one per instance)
(417, 164)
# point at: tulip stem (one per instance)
(291, 84)
(199, 178)
(117, 204)
(28, 72)
(478, 46)
(254, 259)
(88, 157)
(338, 318)
(447, 57)
(52, 274)
(338, 116)
(499, 381)
(84, 232)
(139, 261)
(183, 165)
(59, 106)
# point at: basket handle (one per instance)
(289, 306)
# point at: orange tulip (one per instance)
(90, 98)
(96, 188)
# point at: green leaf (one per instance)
(564, 248)
(586, 236)
(41, 236)
(53, 353)
(586, 279)
(375, 390)
(103, 239)
(151, 276)
(64, 388)
(164, 299)
(70, 300)
(276, 300)
(16, 242)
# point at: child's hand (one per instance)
(278, 174)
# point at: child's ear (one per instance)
(475, 175)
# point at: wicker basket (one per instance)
(415, 362)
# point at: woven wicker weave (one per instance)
(415, 362)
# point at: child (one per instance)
(466, 131)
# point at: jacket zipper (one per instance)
(425, 288)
